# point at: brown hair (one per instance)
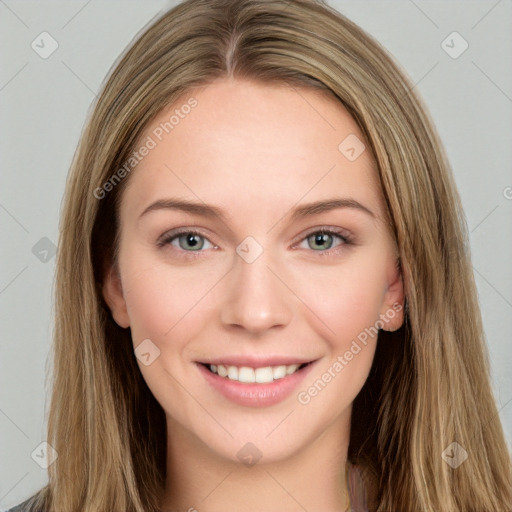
(429, 385)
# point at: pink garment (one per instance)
(357, 491)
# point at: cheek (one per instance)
(346, 298)
(347, 302)
(167, 306)
(339, 377)
(149, 303)
(164, 303)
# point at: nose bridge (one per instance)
(256, 298)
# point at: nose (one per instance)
(257, 298)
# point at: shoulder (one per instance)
(25, 506)
(357, 489)
(361, 485)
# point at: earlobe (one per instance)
(392, 314)
(113, 295)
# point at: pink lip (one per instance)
(252, 394)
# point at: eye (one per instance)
(188, 240)
(322, 240)
(191, 241)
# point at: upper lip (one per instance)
(256, 361)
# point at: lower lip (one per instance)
(252, 394)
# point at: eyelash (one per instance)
(167, 238)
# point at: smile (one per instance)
(257, 385)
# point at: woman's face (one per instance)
(257, 291)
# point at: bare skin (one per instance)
(257, 151)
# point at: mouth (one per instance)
(255, 383)
(250, 375)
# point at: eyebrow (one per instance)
(210, 211)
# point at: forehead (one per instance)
(247, 144)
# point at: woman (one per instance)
(208, 355)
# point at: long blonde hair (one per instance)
(430, 383)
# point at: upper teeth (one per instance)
(260, 375)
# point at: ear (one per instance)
(113, 295)
(392, 313)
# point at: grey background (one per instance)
(43, 105)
